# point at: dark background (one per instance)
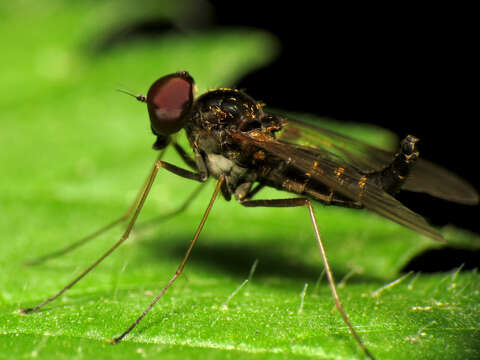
(412, 71)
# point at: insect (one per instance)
(245, 148)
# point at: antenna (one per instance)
(139, 97)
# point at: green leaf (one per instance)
(74, 153)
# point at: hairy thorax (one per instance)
(216, 116)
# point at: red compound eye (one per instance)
(168, 100)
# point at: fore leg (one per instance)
(185, 157)
(306, 202)
(158, 164)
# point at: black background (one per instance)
(412, 71)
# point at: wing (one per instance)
(339, 176)
(425, 176)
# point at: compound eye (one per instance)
(169, 99)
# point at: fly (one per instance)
(246, 149)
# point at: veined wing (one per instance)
(343, 179)
(425, 176)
